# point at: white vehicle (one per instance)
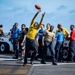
(5, 44)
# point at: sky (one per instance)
(22, 12)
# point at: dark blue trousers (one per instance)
(48, 45)
(40, 48)
(15, 47)
(58, 51)
(72, 50)
(30, 45)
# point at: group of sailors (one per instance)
(36, 40)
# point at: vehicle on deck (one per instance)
(6, 44)
(65, 50)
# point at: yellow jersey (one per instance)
(1, 31)
(48, 29)
(64, 31)
(33, 29)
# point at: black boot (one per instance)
(43, 62)
(31, 62)
(54, 63)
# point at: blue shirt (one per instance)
(40, 33)
(15, 32)
(60, 37)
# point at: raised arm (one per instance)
(41, 20)
(32, 22)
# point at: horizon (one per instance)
(22, 11)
